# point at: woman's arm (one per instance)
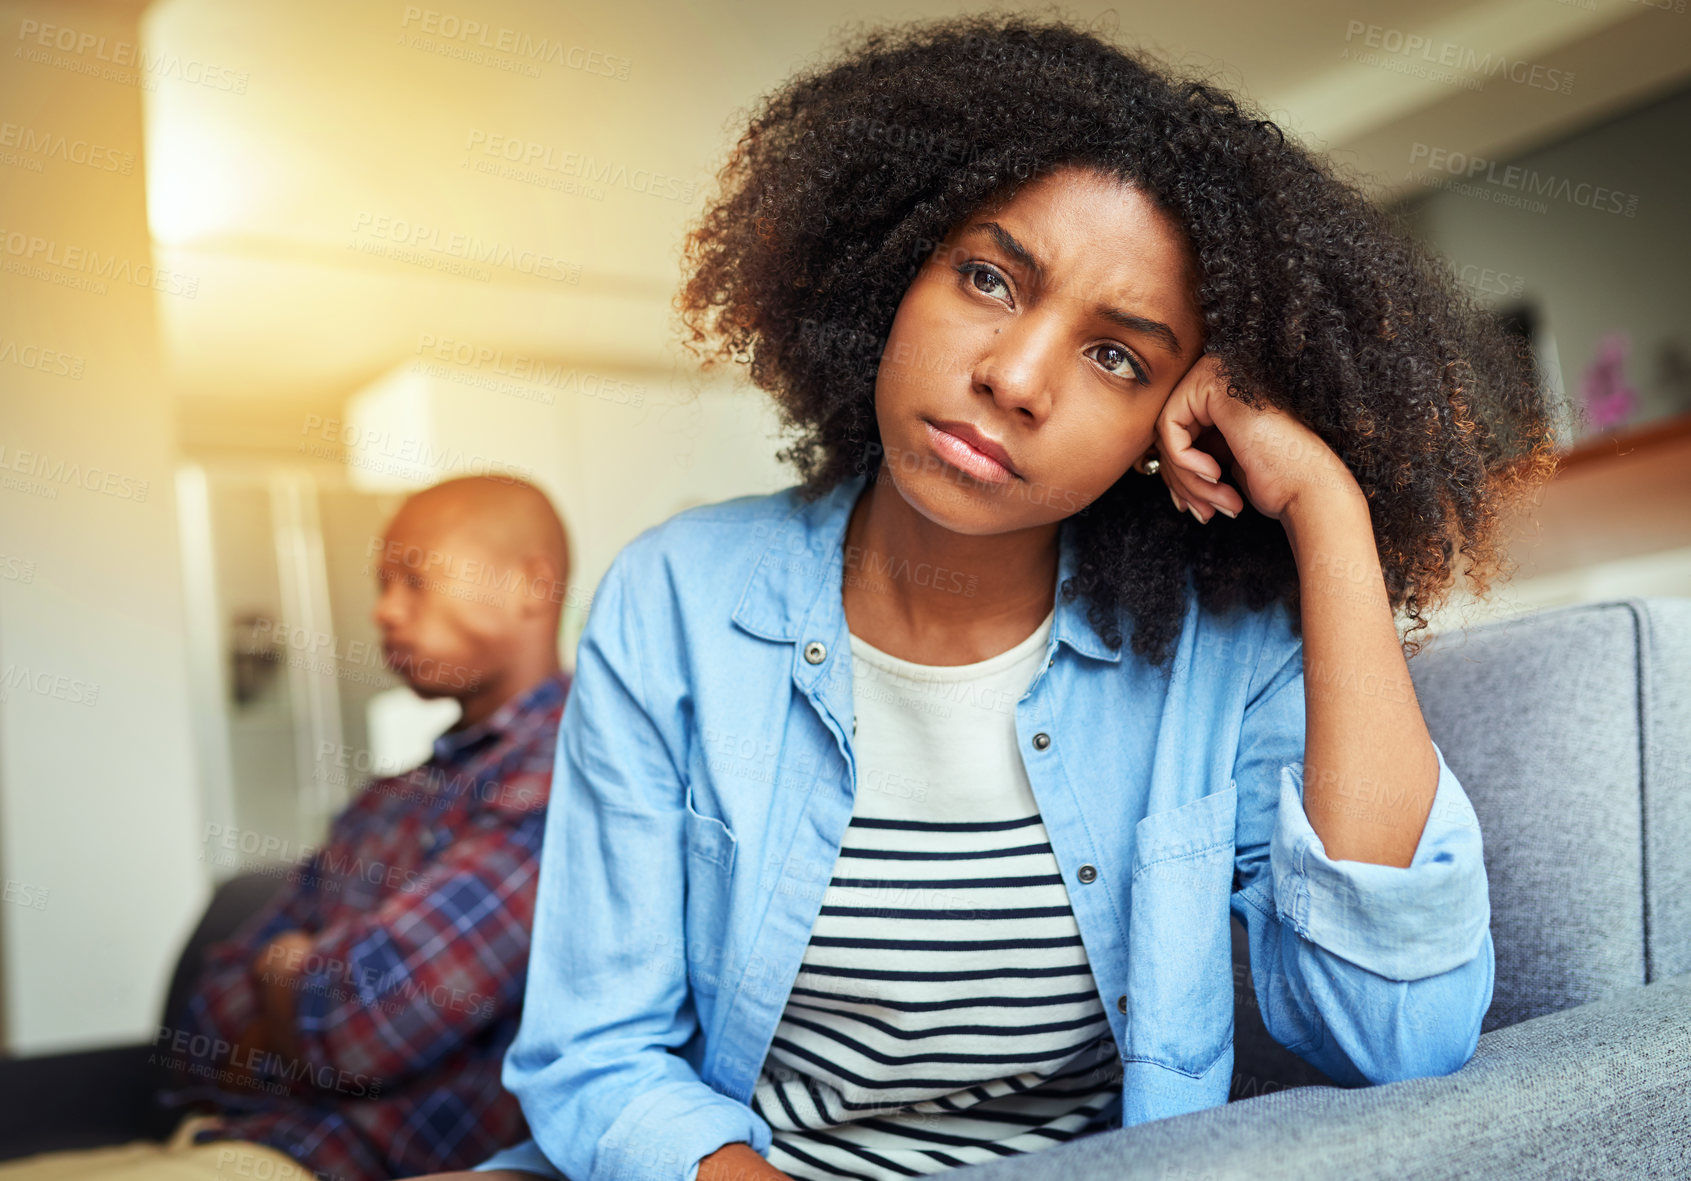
(1360, 871)
(1366, 741)
(1372, 972)
(596, 1062)
(1369, 771)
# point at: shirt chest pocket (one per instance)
(708, 839)
(711, 846)
(1180, 983)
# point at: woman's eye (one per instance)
(975, 273)
(1116, 355)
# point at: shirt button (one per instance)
(816, 652)
(1121, 1004)
(1041, 740)
(1087, 874)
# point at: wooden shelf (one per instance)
(1617, 496)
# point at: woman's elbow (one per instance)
(1435, 1027)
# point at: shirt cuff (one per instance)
(524, 1158)
(666, 1132)
(1401, 922)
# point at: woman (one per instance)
(873, 850)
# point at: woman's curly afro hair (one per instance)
(1313, 299)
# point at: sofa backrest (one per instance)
(1570, 730)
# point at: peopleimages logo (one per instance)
(55, 469)
(42, 360)
(556, 376)
(578, 165)
(468, 31)
(1453, 56)
(32, 251)
(1524, 180)
(55, 146)
(108, 55)
(378, 234)
(362, 444)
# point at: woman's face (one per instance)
(1055, 327)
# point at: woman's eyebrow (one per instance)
(1008, 244)
(1156, 329)
(1162, 333)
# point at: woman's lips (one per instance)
(964, 457)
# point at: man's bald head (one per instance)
(512, 517)
(472, 579)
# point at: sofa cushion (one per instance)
(1568, 730)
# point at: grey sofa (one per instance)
(1571, 732)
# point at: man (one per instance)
(354, 1029)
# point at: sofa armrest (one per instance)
(94, 1098)
(89, 1099)
(1601, 1090)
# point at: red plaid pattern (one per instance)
(419, 907)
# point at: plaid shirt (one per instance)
(419, 907)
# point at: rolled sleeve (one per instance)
(695, 1125)
(1373, 973)
(1401, 922)
(696, 1121)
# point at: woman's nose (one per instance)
(1018, 365)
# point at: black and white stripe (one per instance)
(945, 1013)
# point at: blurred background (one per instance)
(266, 267)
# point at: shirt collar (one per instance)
(541, 697)
(798, 580)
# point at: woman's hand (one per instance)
(1364, 737)
(1203, 434)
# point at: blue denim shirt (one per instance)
(704, 781)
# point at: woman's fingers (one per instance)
(1198, 496)
(1194, 475)
(1180, 428)
(1226, 494)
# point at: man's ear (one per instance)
(544, 586)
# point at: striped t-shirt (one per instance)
(945, 1013)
